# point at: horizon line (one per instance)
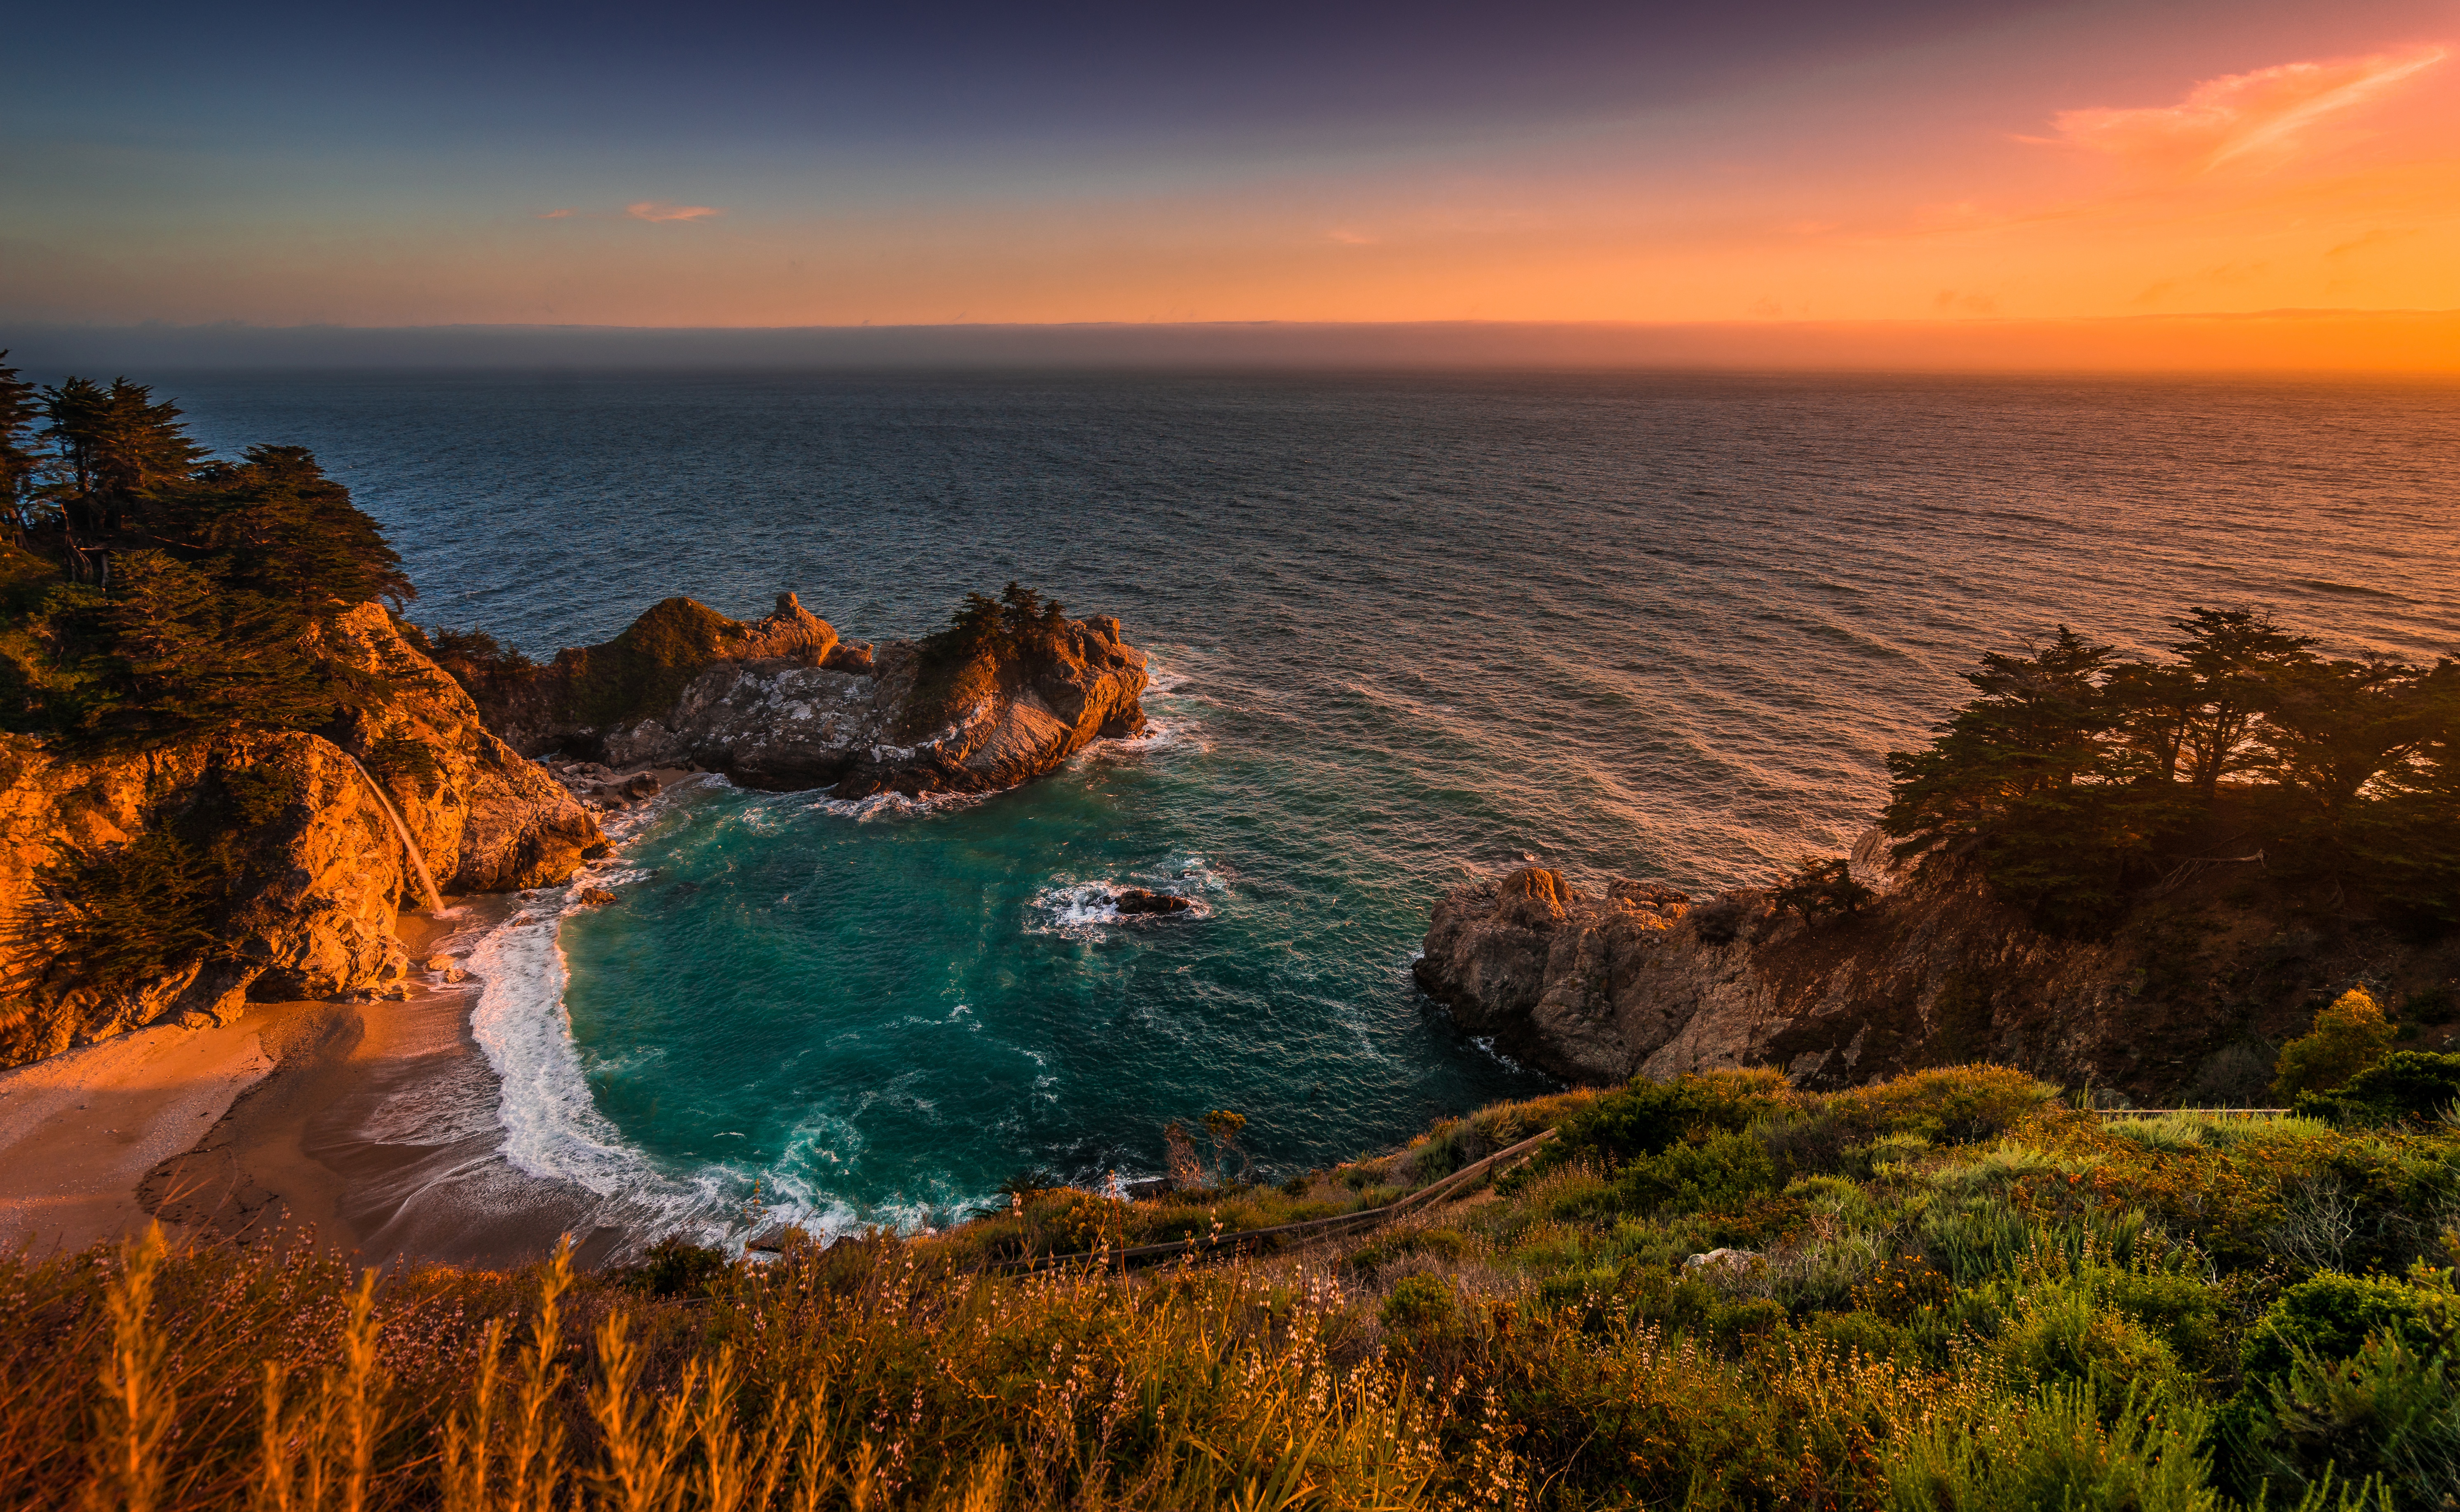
(2410, 342)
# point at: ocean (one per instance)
(1406, 630)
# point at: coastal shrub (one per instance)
(2056, 1315)
(1420, 1303)
(482, 664)
(2388, 1413)
(2350, 1034)
(677, 1268)
(2403, 1086)
(1821, 889)
(2065, 1447)
(2329, 1316)
(1950, 1104)
(1648, 1117)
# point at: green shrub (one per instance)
(677, 1268)
(1648, 1117)
(1421, 1304)
(1720, 1171)
(2403, 1086)
(2329, 1316)
(2350, 1034)
(2389, 1411)
(2065, 1447)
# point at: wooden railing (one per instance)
(1206, 1246)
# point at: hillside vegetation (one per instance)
(1950, 1291)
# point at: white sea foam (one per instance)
(552, 1128)
(893, 805)
(1082, 908)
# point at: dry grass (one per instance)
(1962, 1296)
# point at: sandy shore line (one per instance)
(79, 1131)
(372, 1128)
(367, 1127)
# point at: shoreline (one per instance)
(373, 1128)
(377, 1134)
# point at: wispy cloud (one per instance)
(2380, 236)
(564, 214)
(1352, 238)
(660, 210)
(2259, 117)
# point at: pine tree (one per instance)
(23, 462)
(278, 526)
(2233, 655)
(118, 445)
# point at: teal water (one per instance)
(1413, 628)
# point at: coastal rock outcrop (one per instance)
(2189, 998)
(222, 867)
(782, 703)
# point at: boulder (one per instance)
(1138, 900)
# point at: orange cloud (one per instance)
(2258, 116)
(564, 214)
(660, 210)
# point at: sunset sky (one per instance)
(731, 166)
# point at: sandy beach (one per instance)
(369, 1127)
(79, 1131)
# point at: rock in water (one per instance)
(1138, 900)
(783, 703)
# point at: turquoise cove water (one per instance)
(1407, 630)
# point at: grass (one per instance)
(1954, 1293)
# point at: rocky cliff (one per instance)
(781, 703)
(2188, 1000)
(178, 878)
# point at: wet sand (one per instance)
(377, 1135)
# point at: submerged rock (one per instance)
(1138, 900)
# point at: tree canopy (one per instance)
(2077, 772)
(184, 591)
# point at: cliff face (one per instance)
(782, 703)
(2189, 999)
(274, 870)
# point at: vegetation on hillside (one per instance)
(149, 591)
(2079, 775)
(986, 643)
(1952, 1290)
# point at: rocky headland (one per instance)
(2187, 999)
(782, 703)
(232, 865)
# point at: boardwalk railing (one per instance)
(1205, 1247)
